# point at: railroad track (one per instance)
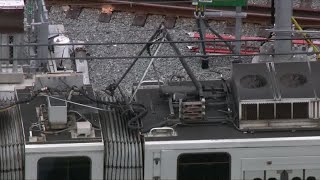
(258, 14)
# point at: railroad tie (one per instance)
(230, 27)
(106, 14)
(170, 22)
(48, 8)
(73, 12)
(305, 3)
(262, 32)
(139, 20)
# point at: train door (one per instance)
(186, 165)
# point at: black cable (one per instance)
(21, 101)
(170, 56)
(156, 42)
(126, 2)
(139, 110)
(92, 99)
(135, 122)
(202, 37)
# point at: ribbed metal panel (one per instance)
(11, 146)
(123, 147)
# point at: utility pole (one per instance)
(283, 28)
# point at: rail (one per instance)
(255, 13)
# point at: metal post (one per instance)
(238, 30)
(202, 33)
(1, 50)
(4, 50)
(16, 51)
(204, 60)
(43, 38)
(43, 30)
(283, 26)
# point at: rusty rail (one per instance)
(256, 13)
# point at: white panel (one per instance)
(311, 113)
(296, 173)
(272, 174)
(309, 173)
(253, 175)
(4, 54)
(318, 109)
(94, 151)
(280, 163)
(314, 110)
(13, 4)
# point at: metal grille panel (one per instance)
(123, 147)
(11, 146)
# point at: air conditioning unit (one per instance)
(276, 95)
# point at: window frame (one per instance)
(199, 153)
(66, 157)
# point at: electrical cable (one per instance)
(139, 110)
(58, 131)
(92, 99)
(75, 103)
(172, 56)
(7, 107)
(81, 116)
(158, 42)
(199, 21)
(124, 2)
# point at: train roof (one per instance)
(218, 128)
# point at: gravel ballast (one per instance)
(119, 29)
(103, 72)
(296, 3)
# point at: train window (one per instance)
(64, 168)
(205, 166)
(272, 179)
(257, 179)
(311, 178)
